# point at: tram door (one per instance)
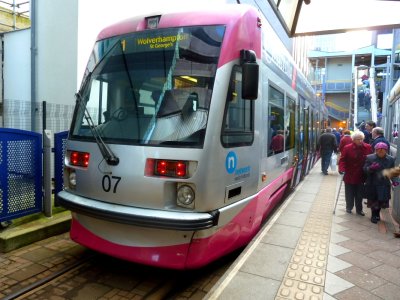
(311, 141)
(298, 176)
(307, 139)
(313, 137)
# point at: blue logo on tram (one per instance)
(231, 162)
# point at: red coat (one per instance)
(352, 159)
(345, 140)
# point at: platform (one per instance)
(30, 229)
(307, 252)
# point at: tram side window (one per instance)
(238, 119)
(290, 119)
(276, 132)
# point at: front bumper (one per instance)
(153, 218)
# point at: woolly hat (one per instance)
(381, 146)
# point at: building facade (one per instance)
(353, 83)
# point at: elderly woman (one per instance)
(377, 186)
(351, 164)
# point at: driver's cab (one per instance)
(122, 114)
(179, 115)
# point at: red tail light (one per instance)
(169, 168)
(79, 159)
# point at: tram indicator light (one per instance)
(79, 159)
(168, 168)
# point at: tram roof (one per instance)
(335, 16)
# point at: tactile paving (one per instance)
(305, 275)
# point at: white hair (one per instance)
(357, 134)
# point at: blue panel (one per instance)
(60, 140)
(340, 86)
(330, 86)
(20, 173)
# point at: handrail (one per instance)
(337, 107)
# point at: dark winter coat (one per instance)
(351, 162)
(327, 143)
(380, 139)
(377, 186)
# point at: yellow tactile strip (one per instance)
(305, 275)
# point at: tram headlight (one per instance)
(185, 196)
(72, 179)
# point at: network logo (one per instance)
(231, 162)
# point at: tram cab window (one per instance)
(238, 119)
(276, 129)
(97, 102)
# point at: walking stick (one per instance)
(338, 193)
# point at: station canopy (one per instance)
(316, 17)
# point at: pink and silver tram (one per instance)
(392, 135)
(186, 134)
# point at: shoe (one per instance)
(396, 234)
(374, 220)
(348, 211)
(325, 173)
(361, 213)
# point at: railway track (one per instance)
(78, 273)
(96, 276)
(37, 285)
(73, 272)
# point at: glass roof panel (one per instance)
(335, 16)
(287, 9)
(329, 16)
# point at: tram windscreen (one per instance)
(150, 88)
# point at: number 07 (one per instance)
(107, 183)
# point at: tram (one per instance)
(393, 120)
(392, 135)
(189, 128)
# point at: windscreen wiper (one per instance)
(106, 152)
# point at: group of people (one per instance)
(364, 155)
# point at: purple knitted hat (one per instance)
(381, 146)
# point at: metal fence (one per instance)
(48, 115)
(21, 171)
(60, 141)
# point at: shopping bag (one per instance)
(333, 162)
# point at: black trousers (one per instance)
(375, 213)
(353, 195)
